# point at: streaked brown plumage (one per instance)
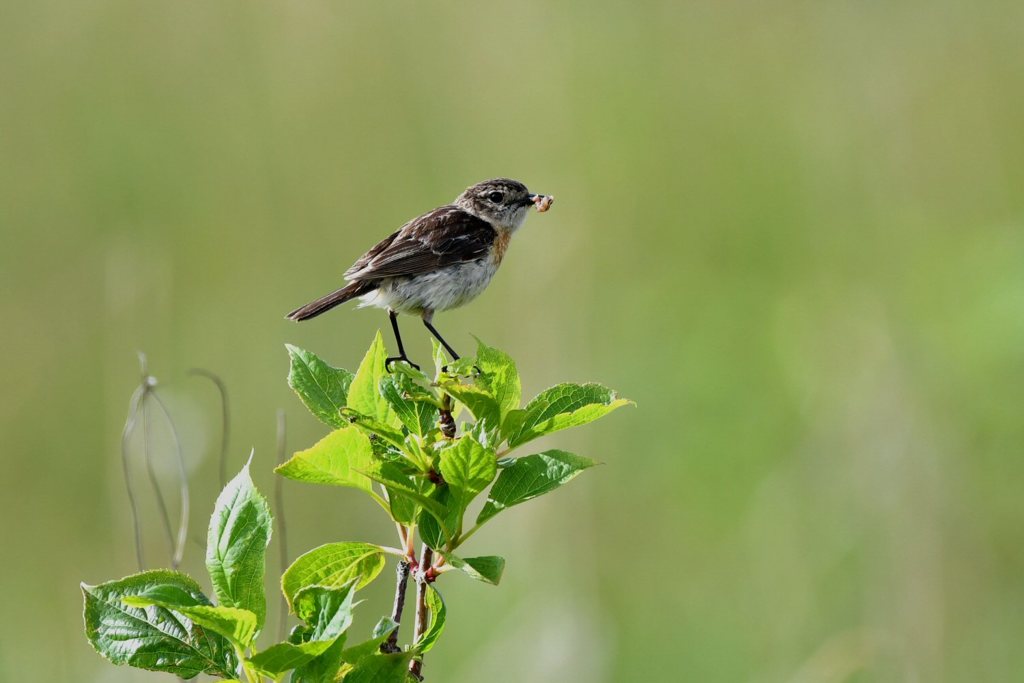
(440, 260)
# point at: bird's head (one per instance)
(502, 202)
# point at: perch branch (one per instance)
(422, 579)
(401, 581)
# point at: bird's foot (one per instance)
(393, 359)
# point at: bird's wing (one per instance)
(443, 237)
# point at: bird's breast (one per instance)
(500, 246)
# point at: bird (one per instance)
(438, 261)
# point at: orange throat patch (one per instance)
(500, 246)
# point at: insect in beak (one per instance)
(541, 201)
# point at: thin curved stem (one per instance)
(126, 433)
(154, 481)
(183, 488)
(225, 421)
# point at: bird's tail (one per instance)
(336, 298)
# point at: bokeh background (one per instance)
(790, 230)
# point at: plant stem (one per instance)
(445, 421)
(401, 580)
(183, 487)
(250, 674)
(426, 558)
(465, 537)
(129, 427)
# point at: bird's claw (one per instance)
(392, 359)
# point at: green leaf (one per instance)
(373, 428)
(371, 647)
(236, 546)
(487, 568)
(468, 468)
(333, 565)
(322, 388)
(336, 460)
(437, 530)
(237, 625)
(328, 613)
(499, 375)
(413, 404)
(323, 668)
(364, 394)
(164, 594)
(529, 477)
(154, 638)
(399, 480)
(277, 659)
(403, 508)
(384, 627)
(438, 614)
(475, 397)
(560, 407)
(409, 371)
(379, 668)
(440, 357)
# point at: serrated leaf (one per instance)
(165, 594)
(487, 568)
(237, 625)
(499, 375)
(438, 615)
(364, 394)
(401, 483)
(277, 659)
(328, 613)
(333, 565)
(560, 407)
(154, 638)
(468, 468)
(476, 398)
(485, 433)
(371, 647)
(375, 429)
(439, 356)
(324, 389)
(529, 477)
(380, 668)
(384, 627)
(409, 371)
(336, 460)
(403, 508)
(323, 668)
(411, 403)
(236, 546)
(437, 530)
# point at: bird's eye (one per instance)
(496, 197)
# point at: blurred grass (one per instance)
(792, 231)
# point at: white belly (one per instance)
(440, 290)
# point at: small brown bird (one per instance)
(441, 260)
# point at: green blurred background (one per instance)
(791, 231)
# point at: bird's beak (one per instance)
(543, 202)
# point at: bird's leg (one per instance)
(426, 321)
(398, 338)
